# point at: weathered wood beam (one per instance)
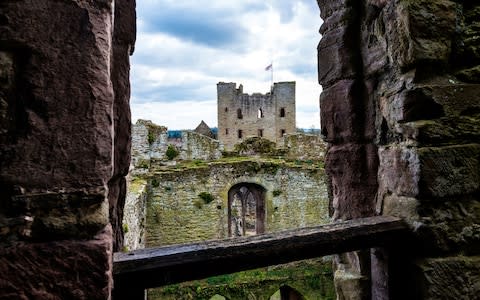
(153, 267)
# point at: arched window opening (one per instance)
(226, 131)
(282, 112)
(260, 113)
(239, 113)
(226, 109)
(240, 134)
(246, 210)
(282, 132)
(260, 132)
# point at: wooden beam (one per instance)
(153, 267)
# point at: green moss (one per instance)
(125, 227)
(254, 167)
(206, 197)
(276, 193)
(151, 138)
(198, 162)
(256, 145)
(313, 278)
(143, 164)
(271, 168)
(137, 185)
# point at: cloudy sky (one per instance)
(185, 47)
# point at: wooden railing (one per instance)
(138, 270)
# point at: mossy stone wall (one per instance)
(177, 214)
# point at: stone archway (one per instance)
(287, 293)
(246, 209)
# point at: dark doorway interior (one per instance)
(246, 209)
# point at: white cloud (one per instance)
(179, 115)
(174, 77)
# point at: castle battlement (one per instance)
(240, 115)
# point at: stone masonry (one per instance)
(296, 197)
(400, 111)
(270, 115)
(163, 204)
(64, 145)
(150, 143)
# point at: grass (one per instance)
(315, 274)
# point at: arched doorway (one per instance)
(246, 209)
(287, 293)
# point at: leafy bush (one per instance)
(172, 152)
(151, 138)
(206, 197)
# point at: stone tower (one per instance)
(240, 115)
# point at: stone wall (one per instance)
(150, 142)
(258, 112)
(199, 146)
(135, 213)
(304, 146)
(174, 185)
(296, 196)
(400, 111)
(64, 94)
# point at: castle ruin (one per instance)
(240, 115)
(400, 110)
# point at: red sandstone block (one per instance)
(430, 171)
(61, 110)
(341, 110)
(448, 277)
(338, 55)
(58, 270)
(449, 171)
(353, 172)
(399, 171)
(411, 39)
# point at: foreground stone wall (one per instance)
(400, 111)
(63, 149)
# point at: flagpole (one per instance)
(271, 63)
(270, 68)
